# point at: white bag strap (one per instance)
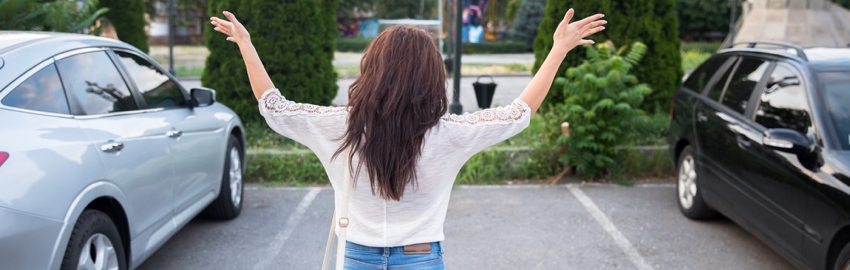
(342, 220)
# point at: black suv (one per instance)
(762, 136)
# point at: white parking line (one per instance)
(280, 238)
(609, 227)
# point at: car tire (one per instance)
(95, 242)
(843, 260)
(228, 205)
(688, 191)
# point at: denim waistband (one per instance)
(436, 247)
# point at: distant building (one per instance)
(189, 25)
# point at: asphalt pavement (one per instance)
(592, 226)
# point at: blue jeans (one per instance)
(360, 257)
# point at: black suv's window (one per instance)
(836, 89)
(41, 92)
(699, 78)
(717, 89)
(158, 90)
(783, 102)
(96, 83)
(747, 74)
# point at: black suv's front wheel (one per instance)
(687, 189)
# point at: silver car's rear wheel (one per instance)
(228, 205)
(688, 187)
(235, 177)
(95, 244)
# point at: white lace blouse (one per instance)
(419, 216)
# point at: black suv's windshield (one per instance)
(836, 88)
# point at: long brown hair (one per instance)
(399, 96)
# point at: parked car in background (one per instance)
(762, 136)
(104, 155)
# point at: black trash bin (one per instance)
(484, 91)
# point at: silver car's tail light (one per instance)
(3, 157)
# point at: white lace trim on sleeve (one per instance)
(273, 102)
(514, 112)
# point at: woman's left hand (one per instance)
(234, 30)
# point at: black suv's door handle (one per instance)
(701, 117)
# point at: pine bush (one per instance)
(128, 17)
(652, 22)
(603, 99)
(527, 20)
(294, 38)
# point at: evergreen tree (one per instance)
(527, 21)
(295, 39)
(652, 22)
(128, 17)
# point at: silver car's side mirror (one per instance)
(202, 96)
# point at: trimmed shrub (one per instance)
(493, 47)
(528, 18)
(652, 22)
(352, 44)
(295, 40)
(128, 17)
(601, 106)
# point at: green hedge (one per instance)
(295, 40)
(492, 47)
(128, 17)
(352, 44)
(652, 22)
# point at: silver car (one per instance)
(104, 155)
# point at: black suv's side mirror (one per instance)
(787, 140)
(203, 96)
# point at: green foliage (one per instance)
(693, 58)
(602, 100)
(704, 47)
(20, 15)
(56, 16)
(646, 162)
(296, 42)
(402, 9)
(652, 22)
(697, 17)
(294, 169)
(528, 18)
(512, 10)
(128, 17)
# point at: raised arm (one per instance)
(567, 36)
(236, 32)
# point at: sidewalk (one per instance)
(807, 23)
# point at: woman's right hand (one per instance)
(234, 30)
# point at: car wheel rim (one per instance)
(235, 177)
(687, 182)
(98, 253)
